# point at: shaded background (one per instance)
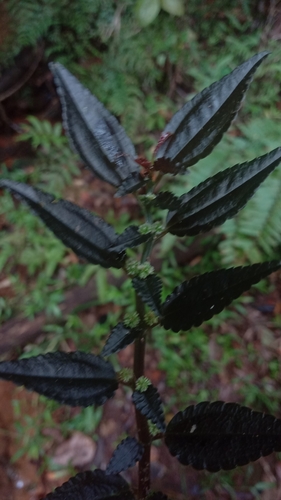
(143, 60)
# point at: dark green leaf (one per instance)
(220, 435)
(150, 405)
(120, 337)
(96, 135)
(75, 378)
(197, 300)
(167, 201)
(130, 238)
(126, 455)
(220, 197)
(93, 485)
(149, 289)
(87, 235)
(195, 129)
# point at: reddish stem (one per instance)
(142, 425)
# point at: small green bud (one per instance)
(158, 228)
(153, 429)
(137, 270)
(145, 270)
(150, 318)
(147, 198)
(125, 375)
(132, 267)
(142, 384)
(131, 320)
(145, 228)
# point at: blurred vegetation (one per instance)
(143, 70)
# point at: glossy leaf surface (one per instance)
(126, 455)
(93, 485)
(130, 238)
(220, 197)
(89, 236)
(197, 300)
(96, 135)
(220, 435)
(120, 337)
(75, 378)
(149, 289)
(150, 405)
(195, 129)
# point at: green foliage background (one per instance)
(143, 74)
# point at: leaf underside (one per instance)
(195, 129)
(197, 300)
(75, 378)
(89, 236)
(95, 134)
(120, 337)
(220, 197)
(126, 455)
(150, 405)
(149, 289)
(93, 485)
(220, 435)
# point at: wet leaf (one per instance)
(93, 485)
(75, 378)
(167, 201)
(89, 236)
(149, 404)
(95, 134)
(120, 337)
(126, 455)
(149, 289)
(220, 197)
(220, 435)
(195, 129)
(197, 300)
(130, 238)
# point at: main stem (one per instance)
(142, 425)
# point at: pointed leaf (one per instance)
(130, 238)
(87, 235)
(220, 435)
(126, 455)
(195, 129)
(96, 135)
(202, 297)
(75, 378)
(220, 197)
(150, 405)
(150, 289)
(93, 485)
(120, 337)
